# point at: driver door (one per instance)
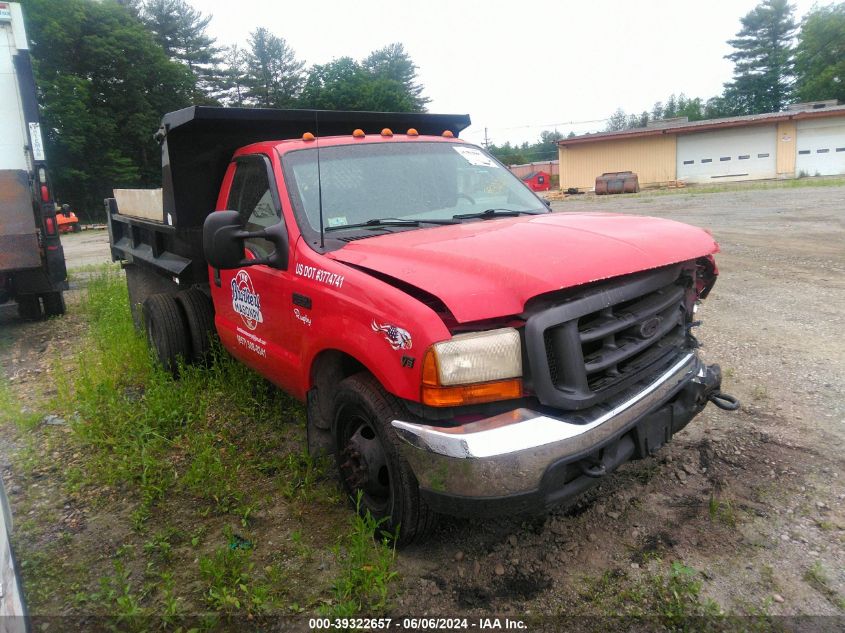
(254, 302)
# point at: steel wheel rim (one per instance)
(363, 462)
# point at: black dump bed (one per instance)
(198, 143)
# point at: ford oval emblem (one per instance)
(648, 328)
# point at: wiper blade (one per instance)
(496, 213)
(380, 222)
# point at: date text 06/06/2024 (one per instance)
(430, 624)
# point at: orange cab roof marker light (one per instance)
(448, 134)
(308, 136)
(412, 132)
(387, 132)
(358, 133)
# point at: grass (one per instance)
(673, 596)
(721, 511)
(154, 433)
(232, 584)
(13, 410)
(366, 561)
(218, 449)
(792, 183)
(816, 576)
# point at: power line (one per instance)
(551, 125)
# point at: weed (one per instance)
(759, 392)
(817, 577)
(300, 473)
(12, 410)
(212, 473)
(196, 537)
(171, 604)
(767, 576)
(232, 585)
(366, 560)
(722, 511)
(825, 526)
(672, 597)
(117, 597)
(159, 546)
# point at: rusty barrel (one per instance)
(617, 182)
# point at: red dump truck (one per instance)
(32, 262)
(460, 349)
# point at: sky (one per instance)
(517, 68)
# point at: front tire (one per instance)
(369, 460)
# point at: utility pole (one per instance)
(486, 140)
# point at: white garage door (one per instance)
(733, 154)
(821, 147)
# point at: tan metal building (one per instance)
(806, 139)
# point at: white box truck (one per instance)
(32, 262)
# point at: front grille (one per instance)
(585, 350)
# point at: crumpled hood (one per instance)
(488, 269)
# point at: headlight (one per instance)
(473, 368)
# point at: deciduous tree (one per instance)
(103, 85)
(820, 54)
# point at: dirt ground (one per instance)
(753, 500)
(88, 248)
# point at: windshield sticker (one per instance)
(337, 221)
(475, 156)
(396, 336)
(245, 301)
(318, 274)
(302, 317)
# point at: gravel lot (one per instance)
(775, 470)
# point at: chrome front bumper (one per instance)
(507, 454)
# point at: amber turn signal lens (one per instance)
(448, 134)
(435, 395)
(308, 136)
(359, 133)
(472, 394)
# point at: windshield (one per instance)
(401, 181)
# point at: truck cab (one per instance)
(460, 348)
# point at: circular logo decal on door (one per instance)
(245, 301)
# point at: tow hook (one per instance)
(724, 401)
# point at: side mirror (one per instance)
(547, 202)
(223, 238)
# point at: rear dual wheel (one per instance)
(167, 331)
(37, 307)
(370, 462)
(179, 327)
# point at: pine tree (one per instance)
(180, 30)
(275, 76)
(231, 75)
(396, 73)
(762, 61)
